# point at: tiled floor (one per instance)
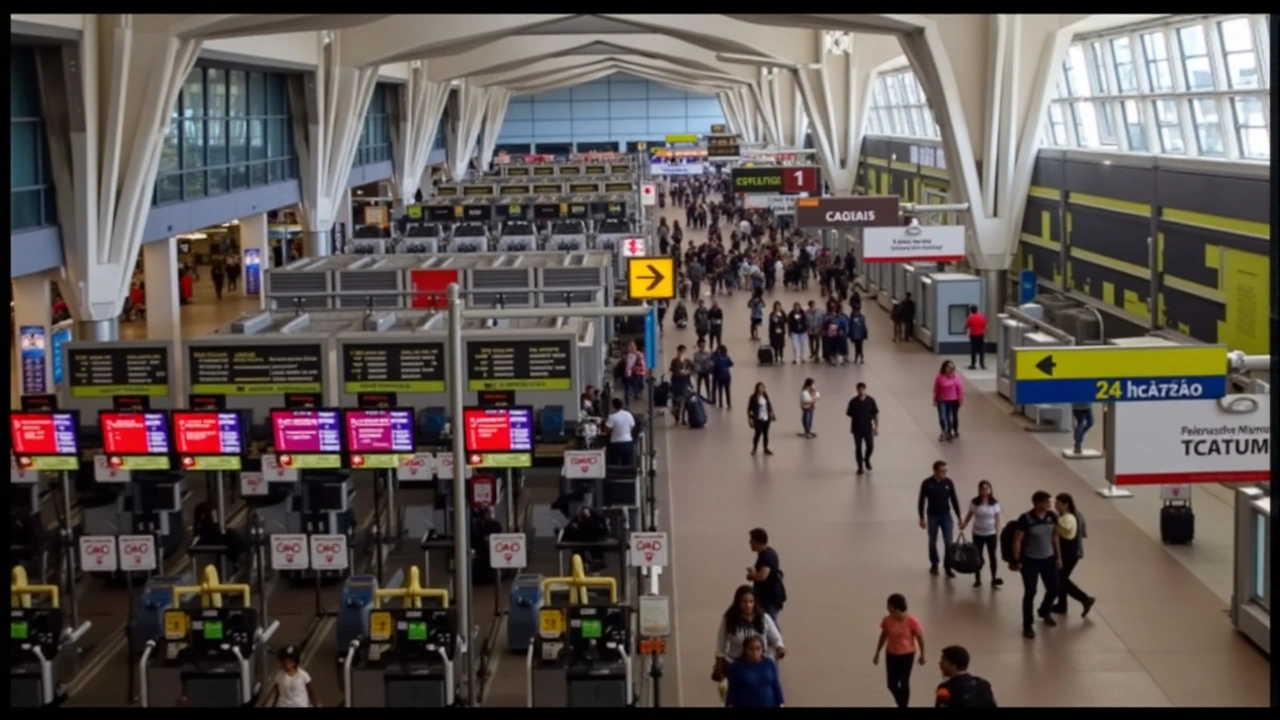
(1158, 636)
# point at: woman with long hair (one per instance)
(984, 512)
(901, 634)
(743, 619)
(1071, 535)
(948, 395)
(760, 416)
(808, 403)
(777, 331)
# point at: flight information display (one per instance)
(377, 438)
(45, 440)
(103, 371)
(498, 430)
(238, 370)
(307, 438)
(208, 440)
(136, 440)
(519, 365)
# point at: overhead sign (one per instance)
(785, 180)
(722, 146)
(138, 553)
(677, 139)
(719, 129)
(648, 195)
(649, 549)
(846, 212)
(665, 168)
(237, 370)
(102, 370)
(328, 552)
(651, 278)
(1192, 441)
(584, 464)
(519, 365)
(1112, 373)
(508, 550)
(393, 367)
(914, 243)
(290, 552)
(98, 553)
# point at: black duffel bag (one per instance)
(964, 557)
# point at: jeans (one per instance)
(815, 346)
(762, 433)
(715, 336)
(864, 443)
(857, 350)
(978, 350)
(720, 388)
(704, 387)
(990, 543)
(949, 416)
(621, 453)
(1084, 421)
(797, 346)
(947, 526)
(898, 670)
(806, 420)
(1046, 571)
(1066, 588)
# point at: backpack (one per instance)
(780, 589)
(833, 329)
(1006, 540)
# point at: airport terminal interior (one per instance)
(737, 325)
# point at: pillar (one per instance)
(419, 106)
(160, 272)
(494, 114)
(255, 252)
(33, 333)
(347, 216)
(472, 101)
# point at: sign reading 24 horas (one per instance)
(256, 369)
(519, 365)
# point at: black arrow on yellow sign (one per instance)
(1047, 365)
(655, 279)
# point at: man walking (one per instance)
(907, 312)
(1038, 556)
(960, 689)
(766, 577)
(976, 326)
(936, 502)
(813, 321)
(864, 423)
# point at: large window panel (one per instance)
(1208, 127)
(1251, 127)
(1134, 131)
(1126, 74)
(900, 107)
(1169, 126)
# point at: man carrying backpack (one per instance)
(1035, 552)
(766, 576)
(960, 689)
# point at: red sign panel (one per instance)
(800, 179)
(430, 287)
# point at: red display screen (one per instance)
(498, 430)
(135, 433)
(208, 433)
(43, 433)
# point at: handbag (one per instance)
(964, 557)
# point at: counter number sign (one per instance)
(289, 552)
(98, 553)
(138, 553)
(651, 278)
(649, 549)
(329, 552)
(508, 550)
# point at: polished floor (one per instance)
(1158, 636)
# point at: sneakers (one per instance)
(1048, 619)
(1088, 605)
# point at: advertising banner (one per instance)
(33, 359)
(933, 243)
(848, 212)
(1176, 442)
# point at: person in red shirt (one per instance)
(976, 325)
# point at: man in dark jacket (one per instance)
(960, 689)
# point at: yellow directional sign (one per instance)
(1112, 361)
(651, 278)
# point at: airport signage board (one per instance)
(102, 370)
(651, 278)
(618, 187)
(239, 370)
(393, 367)
(1112, 373)
(439, 213)
(1192, 441)
(784, 180)
(847, 212)
(674, 169)
(677, 139)
(913, 243)
(584, 188)
(447, 191)
(517, 171)
(544, 170)
(595, 170)
(519, 365)
(719, 129)
(477, 190)
(473, 213)
(723, 146)
(548, 188)
(514, 189)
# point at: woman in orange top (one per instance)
(902, 634)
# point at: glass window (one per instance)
(1208, 124)
(1237, 51)
(1098, 69)
(1159, 75)
(899, 106)
(1195, 58)
(238, 94)
(1126, 77)
(1170, 126)
(1136, 134)
(1057, 125)
(1251, 127)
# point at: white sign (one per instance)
(1175, 442)
(648, 549)
(634, 247)
(648, 195)
(329, 552)
(934, 243)
(273, 471)
(444, 467)
(104, 473)
(655, 616)
(98, 553)
(420, 467)
(289, 552)
(18, 476)
(138, 553)
(1175, 493)
(587, 464)
(783, 204)
(508, 550)
(663, 168)
(253, 484)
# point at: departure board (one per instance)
(393, 367)
(440, 213)
(617, 187)
(546, 211)
(103, 371)
(584, 188)
(544, 170)
(595, 170)
(517, 171)
(447, 191)
(474, 213)
(519, 365)
(550, 189)
(236, 370)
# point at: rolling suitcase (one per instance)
(695, 412)
(765, 355)
(1177, 523)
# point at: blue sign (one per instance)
(1027, 287)
(32, 351)
(651, 338)
(1064, 392)
(252, 271)
(61, 336)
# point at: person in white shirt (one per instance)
(808, 402)
(744, 619)
(744, 227)
(293, 684)
(984, 512)
(621, 425)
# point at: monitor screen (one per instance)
(315, 432)
(592, 629)
(498, 430)
(417, 631)
(212, 629)
(18, 630)
(44, 433)
(208, 433)
(135, 433)
(380, 431)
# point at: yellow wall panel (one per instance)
(1133, 305)
(1108, 293)
(1246, 281)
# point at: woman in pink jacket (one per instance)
(948, 394)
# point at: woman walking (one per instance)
(798, 326)
(857, 332)
(722, 377)
(948, 394)
(753, 678)
(808, 403)
(744, 619)
(1071, 534)
(760, 416)
(984, 512)
(900, 636)
(777, 331)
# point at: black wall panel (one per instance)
(1184, 253)
(553, 148)
(1046, 263)
(1032, 220)
(1048, 172)
(1112, 181)
(1234, 197)
(1089, 278)
(1114, 235)
(876, 147)
(1200, 315)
